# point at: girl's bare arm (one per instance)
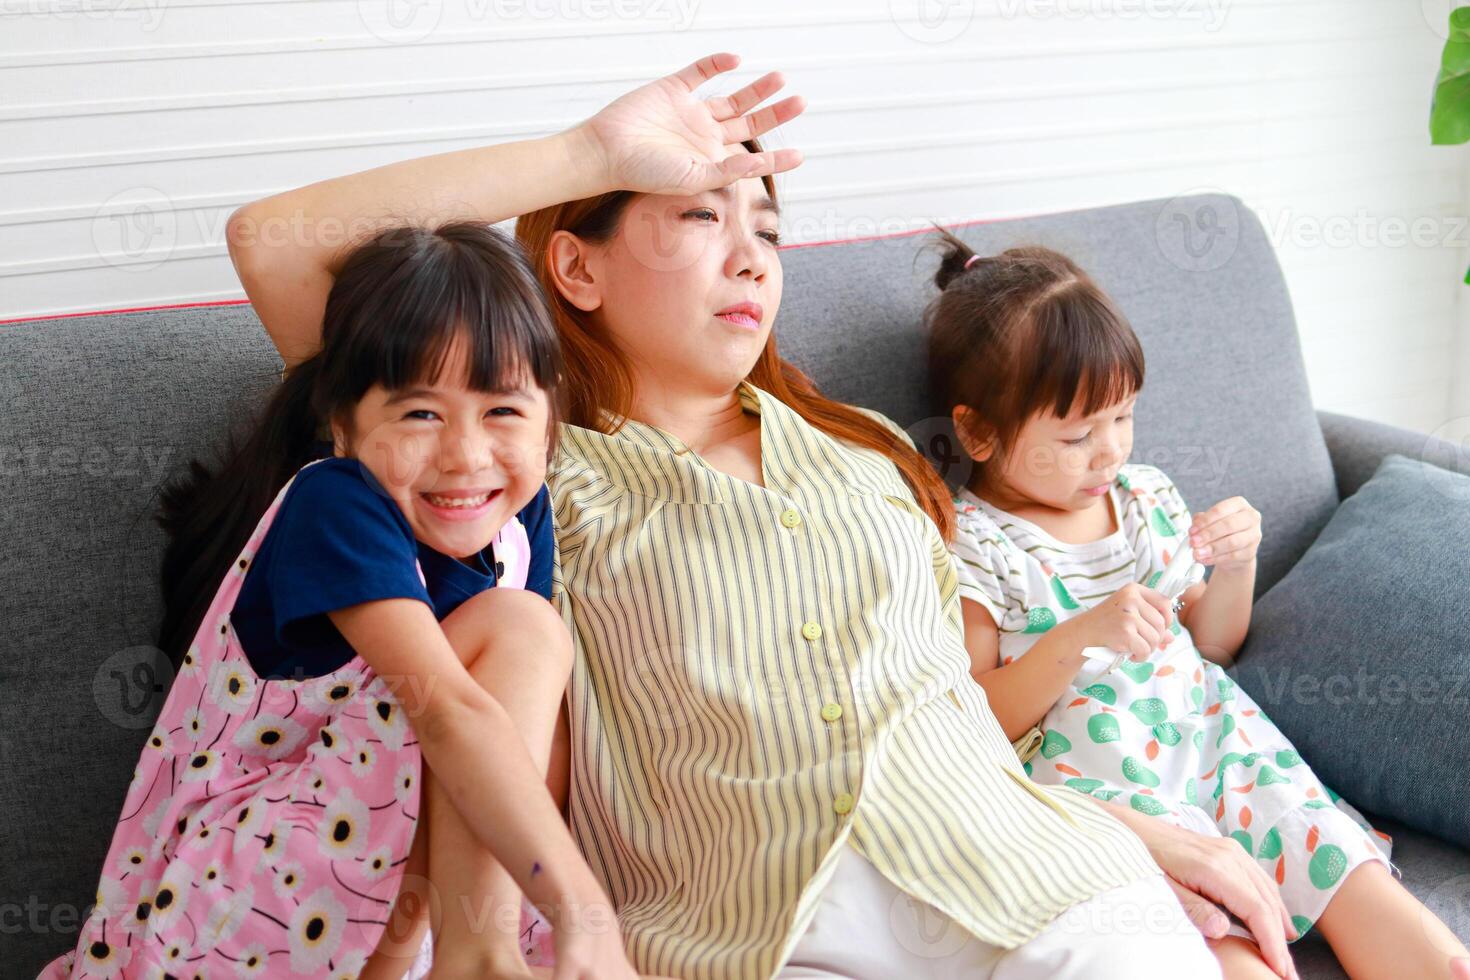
(1022, 692)
(500, 792)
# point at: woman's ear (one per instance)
(572, 266)
(976, 437)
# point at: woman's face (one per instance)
(459, 463)
(689, 286)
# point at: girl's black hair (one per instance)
(1022, 333)
(398, 303)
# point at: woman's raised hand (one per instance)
(662, 138)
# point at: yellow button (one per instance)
(831, 712)
(811, 631)
(790, 518)
(843, 803)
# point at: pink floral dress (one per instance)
(268, 821)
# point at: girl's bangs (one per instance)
(1092, 358)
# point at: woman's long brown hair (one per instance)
(598, 377)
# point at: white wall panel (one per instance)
(129, 129)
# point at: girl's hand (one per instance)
(589, 942)
(1134, 620)
(663, 139)
(1227, 535)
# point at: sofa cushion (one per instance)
(1361, 654)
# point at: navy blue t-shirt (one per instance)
(339, 540)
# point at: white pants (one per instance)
(866, 929)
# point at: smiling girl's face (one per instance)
(459, 463)
(1059, 464)
(688, 287)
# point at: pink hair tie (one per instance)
(971, 261)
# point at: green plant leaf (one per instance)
(1449, 116)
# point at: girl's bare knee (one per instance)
(507, 618)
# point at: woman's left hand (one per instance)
(1227, 535)
(1211, 874)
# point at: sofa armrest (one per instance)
(1357, 446)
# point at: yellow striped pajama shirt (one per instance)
(764, 674)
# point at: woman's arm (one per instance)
(1211, 872)
(659, 138)
(285, 247)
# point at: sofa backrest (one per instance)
(101, 410)
(1225, 408)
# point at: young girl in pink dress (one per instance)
(365, 653)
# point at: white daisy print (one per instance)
(275, 845)
(203, 765)
(327, 695)
(158, 741)
(316, 931)
(388, 722)
(250, 820)
(192, 724)
(212, 878)
(131, 859)
(103, 959)
(377, 863)
(190, 663)
(176, 952)
(151, 822)
(171, 898)
(364, 758)
(225, 917)
(288, 879)
(230, 687)
(272, 736)
(330, 741)
(111, 898)
(343, 830)
(405, 784)
(252, 961)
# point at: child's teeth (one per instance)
(458, 502)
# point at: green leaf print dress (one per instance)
(1173, 737)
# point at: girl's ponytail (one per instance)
(954, 257)
(210, 512)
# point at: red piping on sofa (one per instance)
(784, 248)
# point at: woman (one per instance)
(769, 657)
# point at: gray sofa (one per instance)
(101, 409)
